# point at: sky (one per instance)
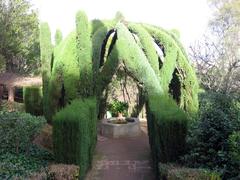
(190, 17)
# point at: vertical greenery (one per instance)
(33, 100)
(58, 37)
(64, 82)
(147, 45)
(168, 122)
(46, 58)
(84, 65)
(176, 57)
(74, 133)
(84, 54)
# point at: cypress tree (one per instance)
(84, 54)
(58, 37)
(46, 61)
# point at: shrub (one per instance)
(19, 166)
(118, 107)
(17, 130)
(173, 172)
(33, 100)
(208, 139)
(234, 151)
(74, 133)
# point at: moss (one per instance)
(33, 100)
(46, 59)
(84, 54)
(58, 37)
(74, 134)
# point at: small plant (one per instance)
(118, 107)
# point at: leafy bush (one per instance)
(17, 130)
(74, 133)
(234, 151)
(118, 107)
(13, 166)
(211, 140)
(174, 172)
(33, 100)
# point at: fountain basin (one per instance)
(115, 128)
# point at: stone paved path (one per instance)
(122, 159)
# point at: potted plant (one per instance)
(118, 108)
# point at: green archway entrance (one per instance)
(81, 66)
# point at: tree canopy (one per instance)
(217, 56)
(19, 47)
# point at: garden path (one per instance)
(122, 158)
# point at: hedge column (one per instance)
(84, 54)
(46, 60)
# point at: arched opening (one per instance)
(129, 67)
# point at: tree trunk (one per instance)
(1, 93)
(11, 91)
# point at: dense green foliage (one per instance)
(32, 97)
(58, 37)
(214, 138)
(17, 130)
(146, 41)
(84, 54)
(177, 60)
(173, 172)
(64, 81)
(168, 123)
(18, 156)
(20, 166)
(74, 133)
(116, 107)
(46, 61)
(19, 47)
(84, 66)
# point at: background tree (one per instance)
(19, 36)
(217, 55)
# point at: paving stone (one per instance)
(122, 159)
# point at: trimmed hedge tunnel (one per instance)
(84, 64)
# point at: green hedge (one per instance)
(58, 37)
(46, 61)
(84, 54)
(33, 100)
(74, 133)
(174, 172)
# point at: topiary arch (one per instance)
(82, 65)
